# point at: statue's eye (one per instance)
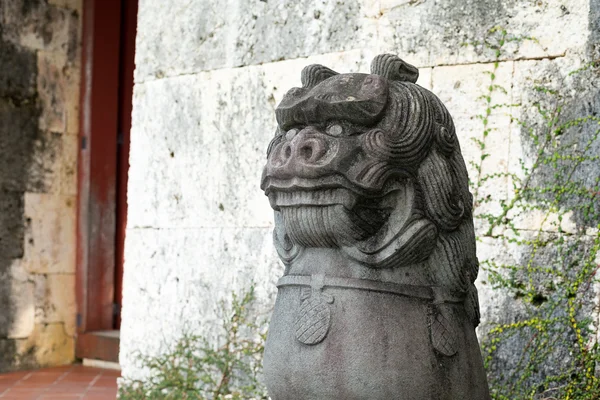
(291, 133)
(335, 130)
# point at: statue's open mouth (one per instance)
(325, 191)
(320, 197)
(330, 212)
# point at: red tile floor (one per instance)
(68, 383)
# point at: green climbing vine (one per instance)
(544, 233)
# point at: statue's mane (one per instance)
(422, 138)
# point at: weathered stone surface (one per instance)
(51, 90)
(17, 300)
(426, 78)
(50, 345)
(529, 78)
(374, 224)
(53, 164)
(70, 4)
(19, 71)
(23, 310)
(189, 36)
(18, 125)
(12, 230)
(408, 28)
(28, 334)
(55, 300)
(190, 33)
(39, 96)
(38, 25)
(68, 166)
(45, 163)
(50, 239)
(464, 90)
(18, 130)
(207, 265)
(217, 121)
(14, 355)
(71, 92)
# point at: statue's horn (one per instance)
(315, 74)
(394, 69)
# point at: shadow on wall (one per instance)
(19, 115)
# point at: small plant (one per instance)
(195, 369)
(546, 347)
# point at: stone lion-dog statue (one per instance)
(373, 222)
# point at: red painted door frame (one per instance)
(104, 113)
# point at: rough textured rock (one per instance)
(408, 28)
(248, 33)
(54, 304)
(39, 96)
(18, 129)
(429, 32)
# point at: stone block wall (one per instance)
(39, 110)
(208, 77)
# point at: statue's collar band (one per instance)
(435, 294)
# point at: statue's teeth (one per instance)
(314, 197)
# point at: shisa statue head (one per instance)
(370, 164)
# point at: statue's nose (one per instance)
(303, 147)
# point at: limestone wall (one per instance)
(208, 76)
(39, 100)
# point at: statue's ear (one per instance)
(394, 69)
(314, 74)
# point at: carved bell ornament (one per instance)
(373, 222)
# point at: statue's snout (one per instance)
(302, 153)
(306, 147)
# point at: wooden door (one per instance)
(106, 86)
